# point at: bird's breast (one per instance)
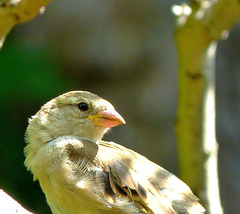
(67, 176)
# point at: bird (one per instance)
(81, 173)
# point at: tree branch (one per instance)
(195, 36)
(9, 205)
(13, 12)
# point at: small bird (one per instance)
(81, 173)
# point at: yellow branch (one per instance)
(195, 36)
(13, 12)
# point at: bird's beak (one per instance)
(107, 118)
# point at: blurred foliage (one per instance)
(29, 77)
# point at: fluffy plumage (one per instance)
(80, 173)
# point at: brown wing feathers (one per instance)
(126, 182)
(119, 176)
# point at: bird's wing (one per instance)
(123, 174)
(149, 186)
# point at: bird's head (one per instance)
(77, 113)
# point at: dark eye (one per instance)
(83, 106)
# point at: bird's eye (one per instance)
(83, 106)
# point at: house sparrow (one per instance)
(80, 173)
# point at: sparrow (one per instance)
(80, 173)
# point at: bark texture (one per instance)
(198, 28)
(13, 12)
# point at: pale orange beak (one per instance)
(107, 118)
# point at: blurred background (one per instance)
(124, 52)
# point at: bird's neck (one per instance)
(39, 133)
